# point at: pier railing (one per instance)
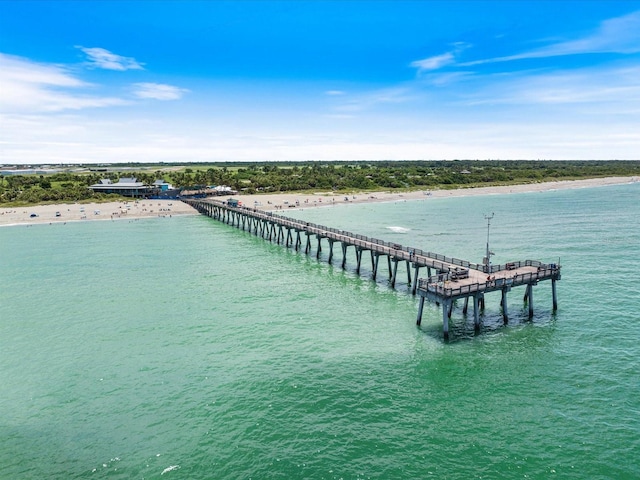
(443, 286)
(417, 256)
(402, 252)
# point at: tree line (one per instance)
(338, 176)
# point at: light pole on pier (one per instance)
(487, 258)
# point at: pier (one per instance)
(447, 279)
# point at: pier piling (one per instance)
(505, 312)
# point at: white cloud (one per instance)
(434, 63)
(18, 69)
(102, 58)
(334, 92)
(615, 88)
(158, 91)
(27, 86)
(341, 116)
(439, 61)
(370, 100)
(615, 35)
(446, 79)
(58, 138)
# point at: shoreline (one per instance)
(137, 209)
(284, 201)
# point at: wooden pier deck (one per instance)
(448, 279)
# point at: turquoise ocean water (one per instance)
(184, 348)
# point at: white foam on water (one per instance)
(168, 469)
(398, 229)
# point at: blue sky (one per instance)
(148, 81)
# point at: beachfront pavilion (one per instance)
(127, 187)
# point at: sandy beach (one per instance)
(73, 212)
(297, 200)
(281, 201)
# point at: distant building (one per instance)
(164, 190)
(162, 185)
(28, 171)
(127, 187)
(221, 190)
(207, 191)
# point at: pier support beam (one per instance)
(420, 308)
(358, 259)
(330, 249)
(375, 258)
(280, 235)
(529, 297)
(554, 294)
(446, 307)
(415, 279)
(308, 245)
(289, 238)
(505, 310)
(465, 308)
(344, 254)
(476, 312)
(395, 272)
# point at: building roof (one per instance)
(123, 183)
